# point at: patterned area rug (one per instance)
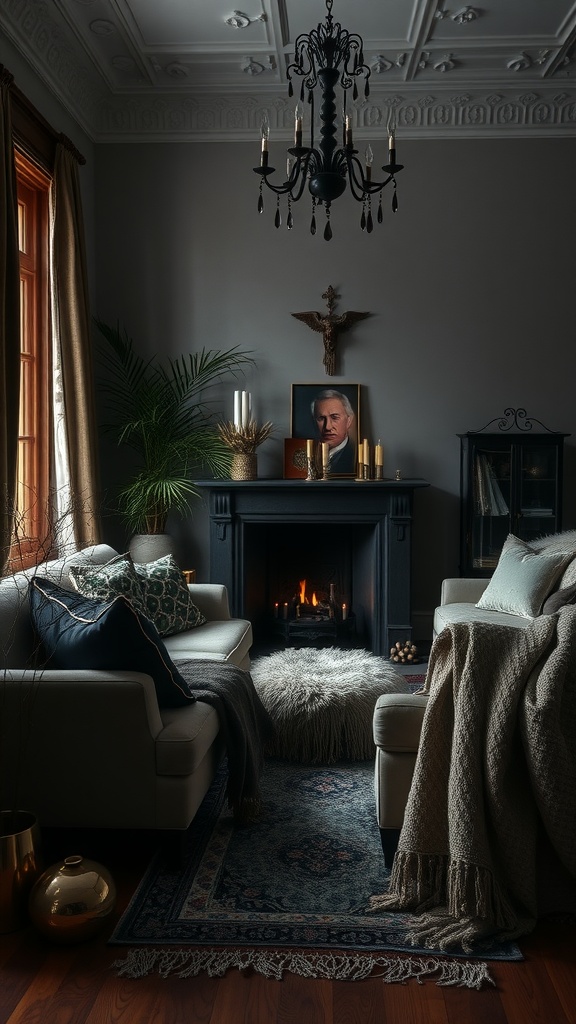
(288, 893)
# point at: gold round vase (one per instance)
(72, 900)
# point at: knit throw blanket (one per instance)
(245, 725)
(495, 772)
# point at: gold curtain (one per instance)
(9, 321)
(73, 332)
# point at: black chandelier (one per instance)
(327, 56)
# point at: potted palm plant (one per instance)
(163, 411)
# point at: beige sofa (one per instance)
(92, 748)
(397, 721)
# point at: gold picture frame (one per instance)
(303, 425)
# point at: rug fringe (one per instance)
(333, 966)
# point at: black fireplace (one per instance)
(348, 541)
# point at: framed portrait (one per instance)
(329, 413)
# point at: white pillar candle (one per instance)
(245, 412)
(236, 409)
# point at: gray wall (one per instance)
(470, 286)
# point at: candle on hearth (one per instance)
(366, 453)
(276, 609)
(237, 409)
(310, 448)
(378, 454)
(325, 455)
(344, 612)
(285, 610)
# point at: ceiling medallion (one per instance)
(240, 20)
(327, 57)
(100, 27)
(466, 15)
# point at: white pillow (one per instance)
(523, 578)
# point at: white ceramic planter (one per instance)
(147, 547)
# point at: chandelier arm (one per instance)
(298, 177)
(356, 182)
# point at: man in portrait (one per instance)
(333, 416)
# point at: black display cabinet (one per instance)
(510, 482)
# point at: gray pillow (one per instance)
(523, 578)
(558, 599)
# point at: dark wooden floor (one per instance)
(41, 983)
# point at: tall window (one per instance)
(32, 522)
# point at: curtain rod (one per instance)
(29, 110)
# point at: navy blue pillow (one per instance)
(78, 632)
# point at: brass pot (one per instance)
(20, 865)
(244, 466)
(72, 900)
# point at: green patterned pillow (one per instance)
(167, 600)
(113, 579)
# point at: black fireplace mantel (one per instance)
(381, 508)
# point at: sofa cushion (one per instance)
(167, 599)
(225, 640)
(446, 614)
(78, 632)
(523, 578)
(105, 582)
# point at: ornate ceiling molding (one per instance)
(150, 116)
(418, 115)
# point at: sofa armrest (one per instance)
(92, 693)
(397, 721)
(211, 599)
(462, 591)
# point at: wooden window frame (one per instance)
(33, 526)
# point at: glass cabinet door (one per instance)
(537, 490)
(491, 503)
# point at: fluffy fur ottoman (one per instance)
(322, 701)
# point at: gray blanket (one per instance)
(245, 725)
(495, 774)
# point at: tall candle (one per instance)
(344, 612)
(310, 448)
(245, 408)
(366, 453)
(349, 130)
(325, 455)
(378, 455)
(236, 409)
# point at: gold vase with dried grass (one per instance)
(243, 442)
